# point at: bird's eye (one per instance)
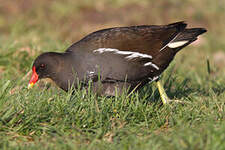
(42, 66)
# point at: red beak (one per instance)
(34, 78)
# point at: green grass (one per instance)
(48, 118)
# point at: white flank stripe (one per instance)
(134, 55)
(116, 51)
(151, 64)
(177, 44)
(153, 79)
(102, 50)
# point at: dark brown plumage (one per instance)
(122, 57)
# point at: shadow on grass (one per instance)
(181, 89)
(173, 89)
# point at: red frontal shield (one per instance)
(34, 78)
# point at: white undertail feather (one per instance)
(177, 44)
(173, 44)
(169, 43)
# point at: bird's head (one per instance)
(44, 66)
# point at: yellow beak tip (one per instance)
(30, 85)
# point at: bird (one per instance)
(116, 59)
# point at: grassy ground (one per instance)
(48, 118)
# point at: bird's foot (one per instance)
(165, 99)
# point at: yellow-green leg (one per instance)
(165, 99)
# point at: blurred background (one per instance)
(29, 27)
(48, 118)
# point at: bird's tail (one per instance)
(186, 37)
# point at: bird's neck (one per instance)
(64, 75)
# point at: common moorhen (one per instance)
(120, 58)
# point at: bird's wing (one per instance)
(143, 39)
(133, 49)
